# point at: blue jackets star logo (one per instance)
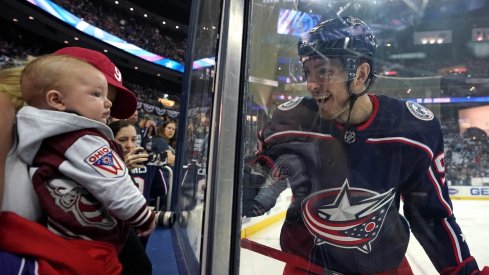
(346, 217)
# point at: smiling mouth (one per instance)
(322, 98)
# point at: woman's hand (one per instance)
(135, 158)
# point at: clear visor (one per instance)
(322, 68)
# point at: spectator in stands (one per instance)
(133, 29)
(81, 144)
(133, 119)
(133, 158)
(164, 141)
(168, 130)
(201, 137)
(148, 175)
(145, 129)
(189, 140)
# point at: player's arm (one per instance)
(91, 162)
(428, 208)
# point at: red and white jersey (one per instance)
(82, 183)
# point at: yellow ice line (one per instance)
(252, 229)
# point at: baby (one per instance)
(82, 183)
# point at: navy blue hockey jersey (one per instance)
(345, 211)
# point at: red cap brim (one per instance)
(125, 103)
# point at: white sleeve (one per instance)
(91, 163)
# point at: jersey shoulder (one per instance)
(405, 111)
(298, 114)
(408, 119)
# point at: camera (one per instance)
(165, 219)
(156, 158)
(152, 157)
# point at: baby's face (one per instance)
(86, 94)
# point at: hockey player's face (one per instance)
(86, 93)
(326, 81)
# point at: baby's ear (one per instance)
(54, 99)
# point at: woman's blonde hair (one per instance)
(10, 85)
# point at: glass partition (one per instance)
(301, 174)
(191, 168)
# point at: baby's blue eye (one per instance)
(97, 93)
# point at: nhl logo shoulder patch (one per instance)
(290, 104)
(419, 111)
(106, 162)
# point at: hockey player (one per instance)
(349, 158)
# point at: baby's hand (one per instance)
(147, 232)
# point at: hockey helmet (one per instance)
(348, 38)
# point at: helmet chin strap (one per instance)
(349, 134)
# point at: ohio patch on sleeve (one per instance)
(106, 162)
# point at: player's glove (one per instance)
(255, 174)
(253, 209)
(260, 191)
(291, 169)
(255, 177)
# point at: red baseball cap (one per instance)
(125, 103)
